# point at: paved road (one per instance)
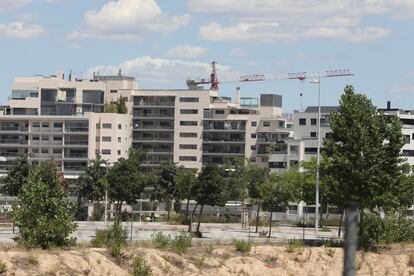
(212, 232)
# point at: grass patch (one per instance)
(3, 267)
(181, 243)
(242, 246)
(161, 241)
(208, 249)
(140, 267)
(295, 246)
(330, 251)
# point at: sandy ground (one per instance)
(206, 260)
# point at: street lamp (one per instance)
(106, 165)
(318, 82)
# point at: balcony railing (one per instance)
(76, 155)
(155, 115)
(12, 128)
(155, 127)
(155, 138)
(46, 129)
(150, 104)
(13, 141)
(76, 129)
(158, 150)
(73, 169)
(46, 142)
(79, 143)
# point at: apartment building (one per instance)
(64, 119)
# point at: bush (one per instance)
(387, 230)
(141, 267)
(98, 212)
(114, 237)
(181, 242)
(161, 241)
(3, 267)
(295, 246)
(242, 246)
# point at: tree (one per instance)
(185, 181)
(279, 190)
(126, 182)
(236, 180)
(256, 177)
(121, 106)
(15, 178)
(209, 189)
(45, 217)
(363, 155)
(165, 186)
(92, 183)
(111, 107)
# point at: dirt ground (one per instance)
(206, 260)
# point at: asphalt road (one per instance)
(212, 232)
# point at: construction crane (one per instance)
(193, 83)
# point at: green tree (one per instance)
(209, 189)
(236, 180)
(256, 177)
(185, 180)
(45, 217)
(363, 155)
(126, 182)
(15, 178)
(165, 186)
(121, 106)
(111, 107)
(279, 190)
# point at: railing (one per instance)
(13, 141)
(46, 142)
(9, 154)
(77, 129)
(76, 155)
(149, 104)
(223, 152)
(268, 140)
(240, 128)
(154, 138)
(154, 127)
(38, 129)
(75, 169)
(153, 115)
(224, 140)
(158, 150)
(80, 142)
(10, 128)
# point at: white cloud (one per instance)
(20, 30)
(272, 32)
(74, 46)
(128, 19)
(170, 71)
(186, 51)
(286, 20)
(8, 5)
(237, 52)
(27, 17)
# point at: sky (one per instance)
(163, 42)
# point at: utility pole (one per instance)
(350, 246)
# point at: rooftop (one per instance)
(324, 109)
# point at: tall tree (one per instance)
(236, 180)
(363, 154)
(121, 106)
(126, 182)
(45, 217)
(279, 190)
(256, 177)
(165, 186)
(92, 182)
(185, 181)
(15, 178)
(209, 189)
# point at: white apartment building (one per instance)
(53, 117)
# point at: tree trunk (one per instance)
(340, 224)
(361, 224)
(168, 203)
(270, 223)
(199, 218)
(191, 218)
(327, 215)
(186, 211)
(257, 218)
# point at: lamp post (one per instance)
(106, 165)
(318, 81)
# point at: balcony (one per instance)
(46, 142)
(13, 142)
(76, 143)
(76, 155)
(13, 128)
(153, 104)
(154, 127)
(154, 139)
(44, 129)
(153, 115)
(76, 129)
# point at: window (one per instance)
(281, 124)
(97, 139)
(106, 152)
(313, 121)
(219, 111)
(45, 138)
(119, 152)
(407, 139)
(44, 150)
(36, 138)
(253, 147)
(106, 125)
(302, 121)
(311, 150)
(114, 91)
(294, 148)
(188, 158)
(188, 146)
(119, 139)
(277, 165)
(254, 123)
(188, 123)
(293, 209)
(57, 125)
(313, 134)
(57, 138)
(36, 124)
(57, 151)
(98, 126)
(188, 111)
(188, 134)
(266, 124)
(46, 125)
(106, 138)
(119, 126)
(188, 100)
(253, 136)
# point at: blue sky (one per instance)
(162, 42)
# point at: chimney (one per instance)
(238, 95)
(388, 105)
